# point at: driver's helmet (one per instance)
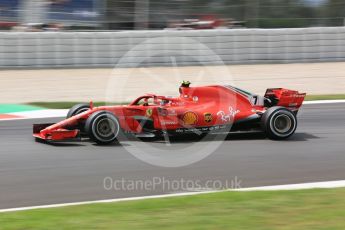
(164, 102)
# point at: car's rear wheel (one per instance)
(279, 123)
(103, 127)
(77, 109)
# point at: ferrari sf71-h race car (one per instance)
(204, 109)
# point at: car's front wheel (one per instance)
(77, 109)
(279, 123)
(103, 127)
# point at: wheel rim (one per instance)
(105, 128)
(282, 123)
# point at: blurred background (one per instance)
(48, 42)
(38, 15)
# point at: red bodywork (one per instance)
(205, 108)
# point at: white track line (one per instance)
(42, 113)
(47, 113)
(327, 184)
(323, 102)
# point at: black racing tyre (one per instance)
(76, 109)
(279, 123)
(103, 127)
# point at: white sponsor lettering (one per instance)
(228, 117)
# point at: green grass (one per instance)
(12, 108)
(325, 97)
(303, 209)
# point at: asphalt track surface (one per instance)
(38, 174)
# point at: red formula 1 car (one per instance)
(205, 109)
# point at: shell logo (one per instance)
(190, 118)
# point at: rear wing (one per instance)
(284, 97)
